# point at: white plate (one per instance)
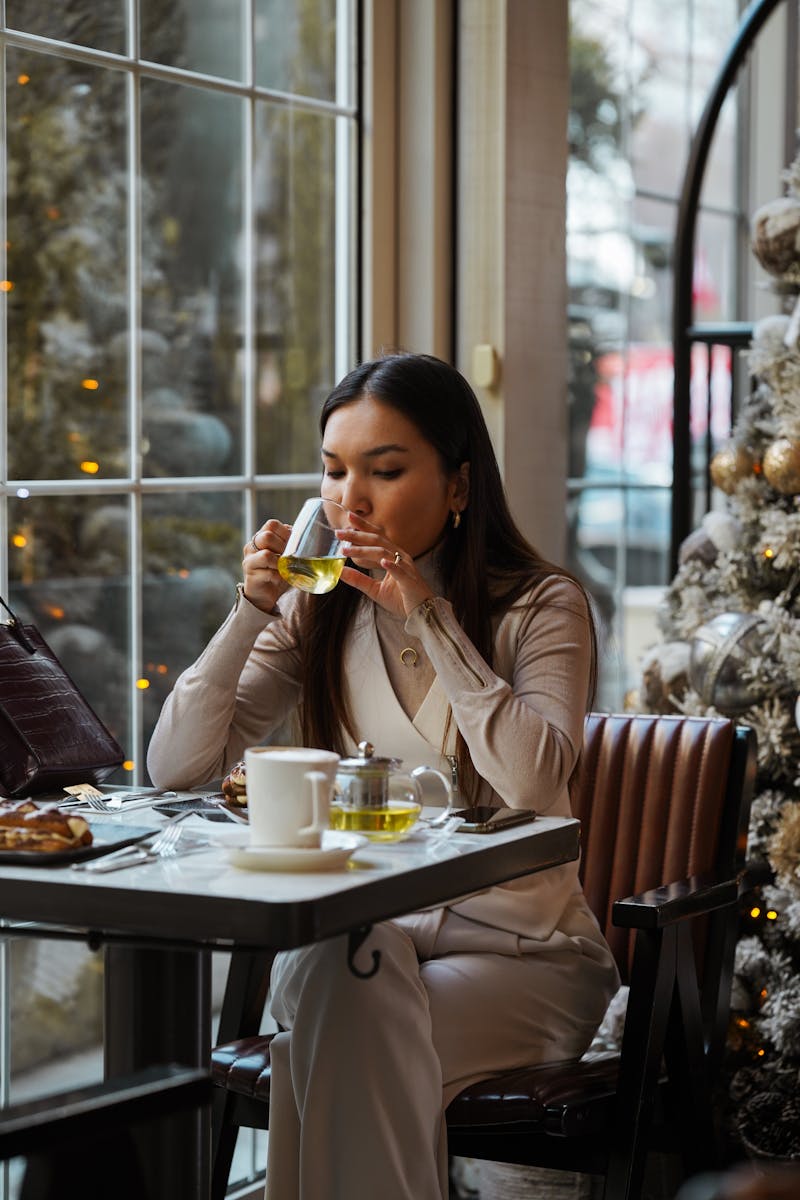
(333, 854)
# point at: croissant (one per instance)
(23, 826)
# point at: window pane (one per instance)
(283, 503)
(192, 289)
(624, 532)
(96, 23)
(659, 110)
(597, 80)
(714, 285)
(653, 229)
(295, 45)
(203, 35)
(296, 283)
(719, 181)
(639, 75)
(68, 305)
(714, 23)
(56, 1005)
(192, 553)
(68, 574)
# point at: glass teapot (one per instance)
(372, 796)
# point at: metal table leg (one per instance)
(158, 1010)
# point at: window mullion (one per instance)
(135, 552)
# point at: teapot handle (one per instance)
(448, 790)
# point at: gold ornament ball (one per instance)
(782, 466)
(730, 465)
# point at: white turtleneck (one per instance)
(412, 675)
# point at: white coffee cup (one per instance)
(288, 794)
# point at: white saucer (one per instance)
(334, 852)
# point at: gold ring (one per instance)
(397, 558)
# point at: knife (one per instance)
(140, 856)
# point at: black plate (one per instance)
(204, 806)
(106, 838)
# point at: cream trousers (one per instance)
(366, 1067)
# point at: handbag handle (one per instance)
(15, 626)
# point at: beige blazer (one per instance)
(522, 719)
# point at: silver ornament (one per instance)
(775, 235)
(698, 545)
(718, 651)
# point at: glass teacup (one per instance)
(313, 558)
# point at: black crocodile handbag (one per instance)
(50, 737)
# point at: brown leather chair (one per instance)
(664, 806)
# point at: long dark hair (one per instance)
(485, 564)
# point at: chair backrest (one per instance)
(659, 799)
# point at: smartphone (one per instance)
(485, 819)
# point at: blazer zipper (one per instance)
(432, 617)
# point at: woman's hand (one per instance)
(401, 588)
(262, 583)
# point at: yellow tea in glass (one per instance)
(313, 558)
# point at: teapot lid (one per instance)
(368, 760)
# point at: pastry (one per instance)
(234, 785)
(24, 826)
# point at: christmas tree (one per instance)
(731, 627)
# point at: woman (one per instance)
(451, 639)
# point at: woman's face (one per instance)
(378, 465)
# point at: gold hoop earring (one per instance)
(456, 520)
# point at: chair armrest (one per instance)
(685, 899)
(754, 874)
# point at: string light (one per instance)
(755, 911)
(143, 684)
(91, 385)
(23, 79)
(89, 467)
(128, 765)
(771, 914)
(19, 540)
(769, 552)
(6, 285)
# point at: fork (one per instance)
(164, 845)
(101, 803)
